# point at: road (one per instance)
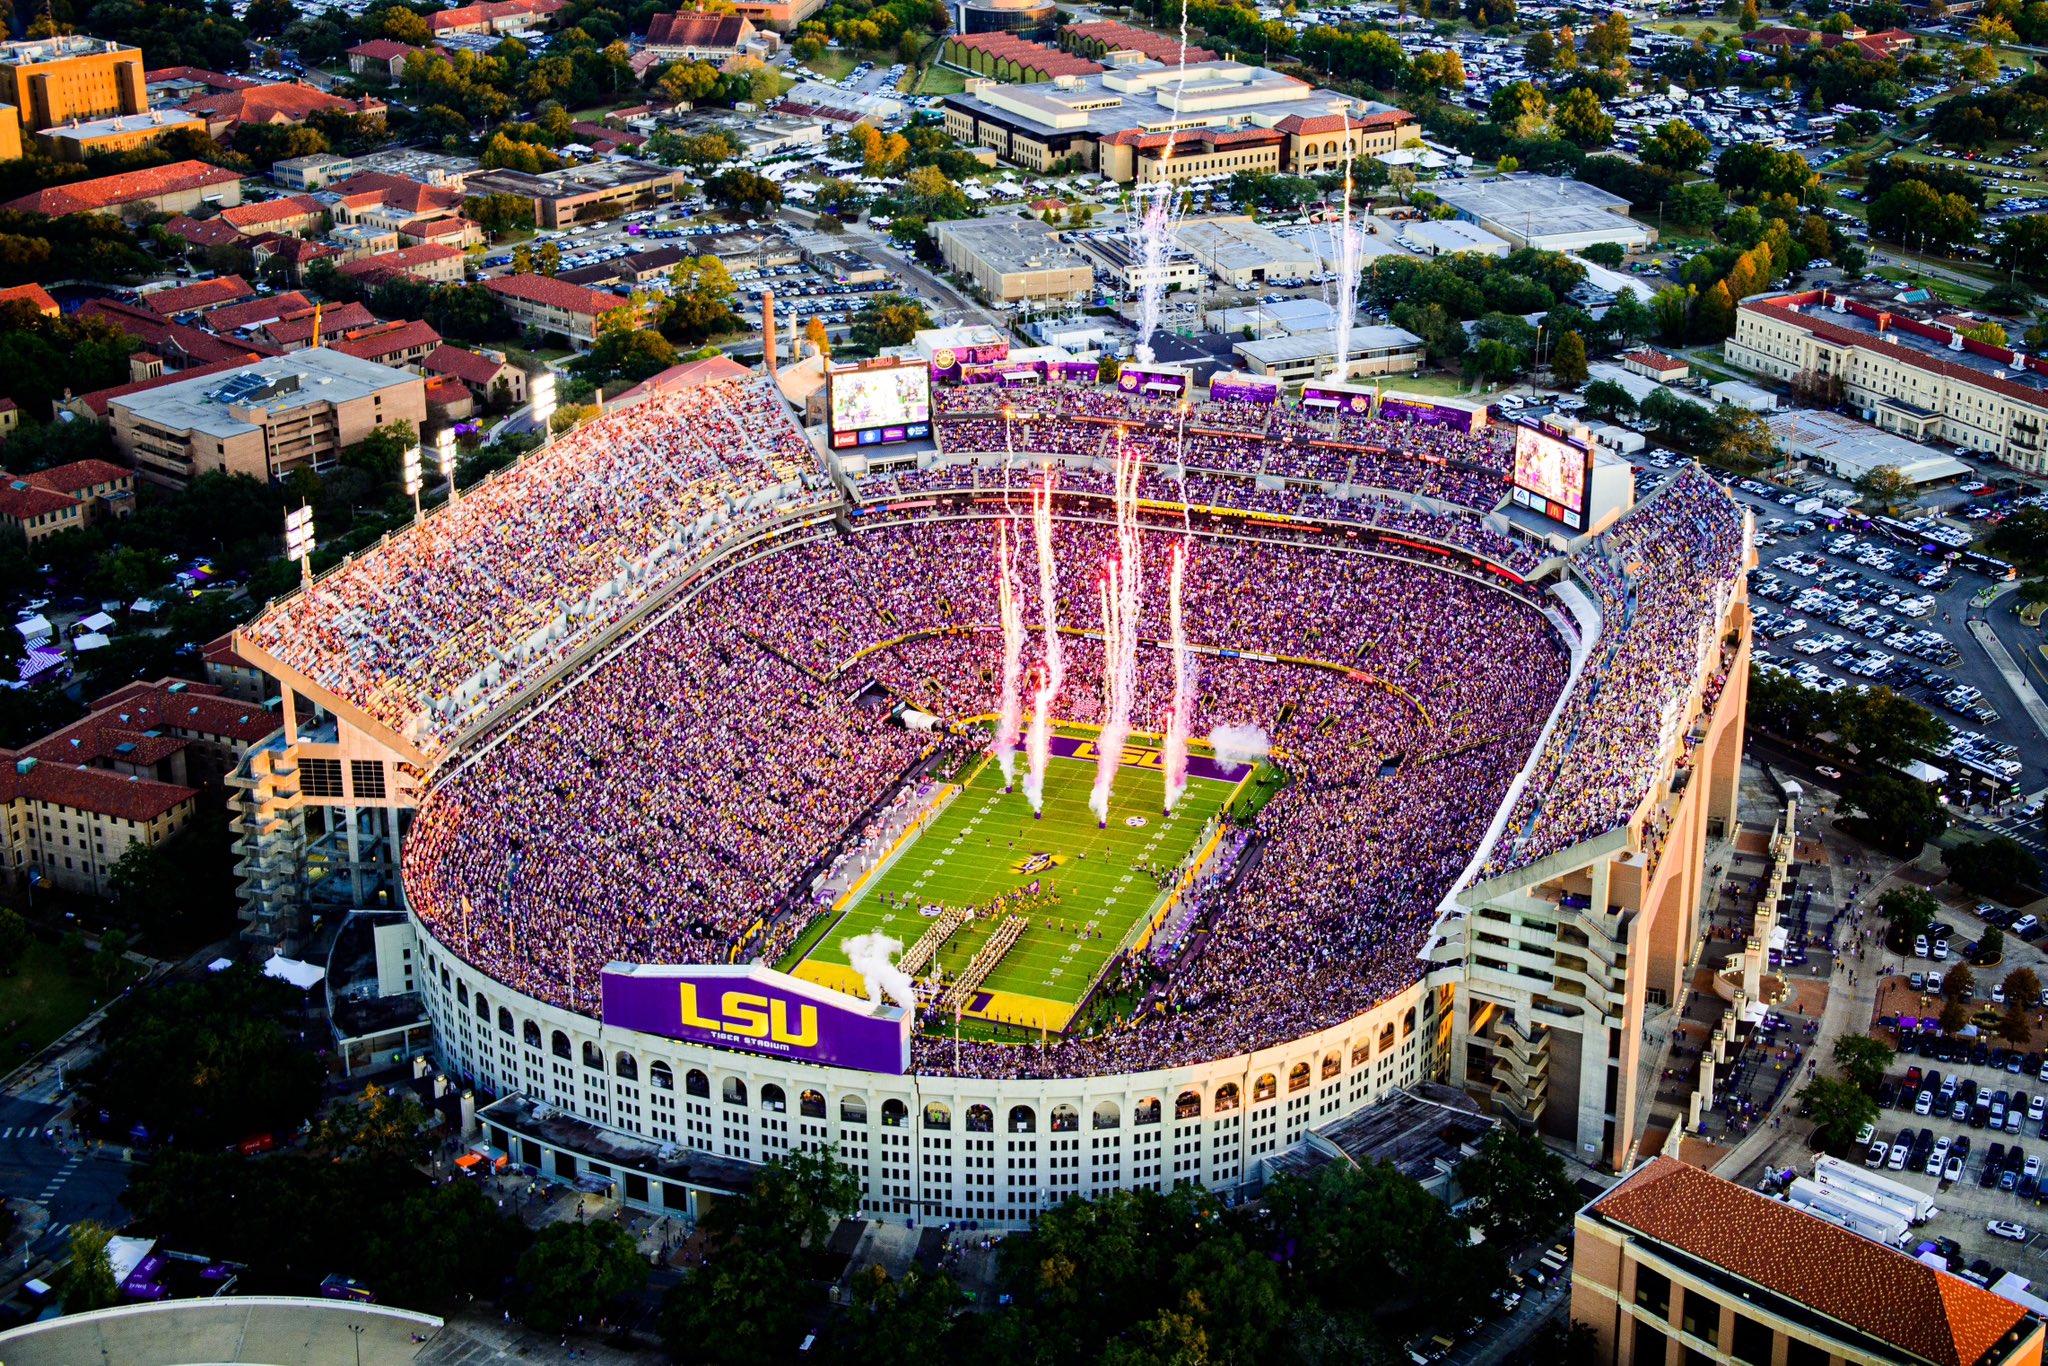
(54, 1186)
(1879, 256)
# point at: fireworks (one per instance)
(1038, 741)
(1009, 719)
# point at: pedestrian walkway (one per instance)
(59, 1177)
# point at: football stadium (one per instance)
(1109, 790)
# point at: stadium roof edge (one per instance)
(340, 706)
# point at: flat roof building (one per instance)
(1849, 449)
(1240, 253)
(263, 420)
(1548, 213)
(575, 194)
(1221, 117)
(1014, 258)
(1313, 355)
(69, 78)
(1676, 1264)
(1449, 237)
(1897, 357)
(76, 140)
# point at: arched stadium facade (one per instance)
(1529, 991)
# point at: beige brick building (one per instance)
(263, 420)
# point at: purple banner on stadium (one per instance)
(1199, 765)
(1239, 391)
(756, 1010)
(949, 361)
(1423, 413)
(1086, 370)
(1137, 380)
(1353, 401)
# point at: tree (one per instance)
(1914, 213)
(1539, 50)
(1990, 333)
(573, 1271)
(928, 193)
(1992, 946)
(1863, 1060)
(1521, 109)
(1607, 41)
(1959, 984)
(1609, 254)
(1520, 1188)
(1581, 119)
(2022, 987)
(1991, 866)
(1608, 400)
(1900, 813)
(1568, 362)
(888, 320)
(1909, 910)
(2014, 1024)
(384, 1126)
(211, 1060)
(814, 333)
(898, 1321)
(89, 1283)
(15, 939)
(743, 191)
(1677, 146)
(1839, 1109)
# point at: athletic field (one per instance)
(985, 844)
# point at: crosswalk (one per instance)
(59, 1177)
(20, 1131)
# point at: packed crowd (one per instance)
(689, 786)
(1663, 578)
(450, 617)
(1300, 444)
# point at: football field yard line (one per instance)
(955, 860)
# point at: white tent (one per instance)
(34, 628)
(98, 621)
(91, 640)
(302, 975)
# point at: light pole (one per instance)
(411, 475)
(356, 1331)
(444, 456)
(298, 541)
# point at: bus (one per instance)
(1989, 566)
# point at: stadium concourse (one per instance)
(654, 678)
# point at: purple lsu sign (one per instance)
(756, 1010)
(1137, 380)
(1425, 414)
(1227, 391)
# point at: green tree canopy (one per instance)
(1520, 1189)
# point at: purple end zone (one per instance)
(980, 1001)
(1199, 765)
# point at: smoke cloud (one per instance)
(873, 956)
(1237, 745)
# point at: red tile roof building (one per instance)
(34, 295)
(695, 34)
(382, 56)
(1676, 1249)
(554, 305)
(479, 371)
(172, 345)
(1875, 47)
(294, 332)
(397, 344)
(1006, 57)
(284, 102)
(1101, 39)
(37, 512)
(168, 303)
(389, 200)
(298, 214)
(253, 313)
(203, 232)
(178, 187)
(495, 16)
(429, 261)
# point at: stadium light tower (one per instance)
(540, 392)
(411, 473)
(298, 540)
(444, 457)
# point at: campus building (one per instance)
(1675, 1265)
(1545, 213)
(180, 187)
(263, 420)
(1900, 359)
(1219, 117)
(1014, 258)
(71, 78)
(577, 194)
(557, 306)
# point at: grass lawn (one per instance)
(832, 64)
(939, 80)
(1435, 386)
(41, 1001)
(1948, 290)
(986, 844)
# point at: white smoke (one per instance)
(1237, 745)
(873, 956)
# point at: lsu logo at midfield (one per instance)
(752, 1016)
(1132, 757)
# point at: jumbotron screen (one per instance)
(881, 405)
(1551, 476)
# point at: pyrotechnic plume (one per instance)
(1349, 246)
(1239, 745)
(1122, 598)
(1009, 718)
(1181, 712)
(873, 956)
(1038, 742)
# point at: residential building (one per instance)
(78, 139)
(1656, 365)
(37, 512)
(554, 306)
(299, 215)
(34, 295)
(10, 417)
(171, 731)
(46, 82)
(294, 253)
(380, 57)
(200, 294)
(1898, 358)
(432, 263)
(102, 490)
(577, 194)
(486, 374)
(495, 16)
(313, 172)
(1009, 259)
(280, 102)
(179, 187)
(68, 824)
(263, 420)
(400, 343)
(1675, 1265)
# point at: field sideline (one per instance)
(985, 844)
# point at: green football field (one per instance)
(985, 843)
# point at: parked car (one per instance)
(2005, 1228)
